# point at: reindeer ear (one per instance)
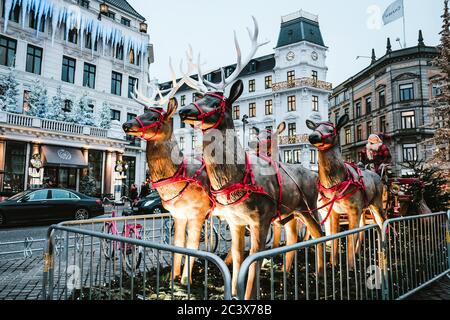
(236, 91)
(281, 128)
(171, 109)
(311, 125)
(342, 121)
(256, 130)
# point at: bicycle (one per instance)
(212, 237)
(132, 255)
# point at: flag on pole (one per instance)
(394, 12)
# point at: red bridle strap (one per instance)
(221, 108)
(325, 136)
(158, 124)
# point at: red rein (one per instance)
(222, 109)
(157, 124)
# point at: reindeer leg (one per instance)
(353, 222)
(194, 233)
(258, 241)
(237, 251)
(316, 232)
(291, 238)
(334, 224)
(276, 235)
(179, 241)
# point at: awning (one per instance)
(63, 157)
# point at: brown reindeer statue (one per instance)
(184, 188)
(249, 191)
(343, 187)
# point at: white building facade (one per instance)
(288, 85)
(98, 48)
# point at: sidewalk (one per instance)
(439, 290)
(21, 279)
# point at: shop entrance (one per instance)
(60, 177)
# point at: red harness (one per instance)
(157, 124)
(249, 188)
(181, 176)
(221, 108)
(325, 136)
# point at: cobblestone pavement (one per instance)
(439, 290)
(20, 279)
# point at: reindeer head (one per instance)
(326, 134)
(267, 141)
(154, 125)
(209, 111)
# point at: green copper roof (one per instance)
(300, 29)
(125, 6)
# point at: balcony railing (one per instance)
(21, 120)
(300, 83)
(294, 139)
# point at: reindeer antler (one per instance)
(240, 65)
(164, 95)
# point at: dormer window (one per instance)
(253, 66)
(84, 3)
(126, 22)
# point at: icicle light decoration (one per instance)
(59, 13)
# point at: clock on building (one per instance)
(290, 56)
(314, 56)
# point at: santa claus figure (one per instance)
(375, 154)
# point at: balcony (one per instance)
(295, 139)
(24, 121)
(301, 83)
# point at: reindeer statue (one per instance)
(343, 187)
(184, 188)
(248, 190)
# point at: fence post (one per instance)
(448, 238)
(48, 273)
(383, 261)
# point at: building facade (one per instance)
(288, 85)
(390, 97)
(97, 48)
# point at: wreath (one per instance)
(36, 161)
(121, 166)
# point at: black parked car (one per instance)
(151, 204)
(48, 205)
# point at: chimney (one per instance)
(388, 46)
(421, 43)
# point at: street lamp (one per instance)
(143, 27)
(244, 123)
(104, 8)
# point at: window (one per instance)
(268, 82)
(132, 82)
(346, 111)
(315, 102)
(181, 144)
(37, 195)
(369, 128)
(115, 115)
(383, 124)
(358, 109)
(251, 85)
(408, 120)
(26, 104)
(409, 152)
(269, 130)
(33, 22)
(368, 105)
(89, 76)
(8, 49)
(359, 133)
(111, 15)
(125, 22)
(292, 105)
(194, 142)
(68, 70)
(348, 136)
(290, 76)
(292, 130)
(34, 59)
(382, 99)
(195, 97)
(84, 3)
(91, 107)
(236, 112)
(116, 83)
(131, 116)
(67, 105)
(313, 156)
(73, 36)
(288, 156)
(406, 92)
(119, 52)
(269, 107)
(252, 110)
(297, 155)
(314, 76)
(436, 90)
(88, 42)
(63, 195)
(183, 100)
(14, 15)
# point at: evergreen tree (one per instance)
(88, 185)
(9, 88)
(56, 106)
(81, 112)
(104, 120)
(441, 103)
(38, 100)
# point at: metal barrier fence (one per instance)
(408, 254)
(131, 258)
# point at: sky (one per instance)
(349, 28)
